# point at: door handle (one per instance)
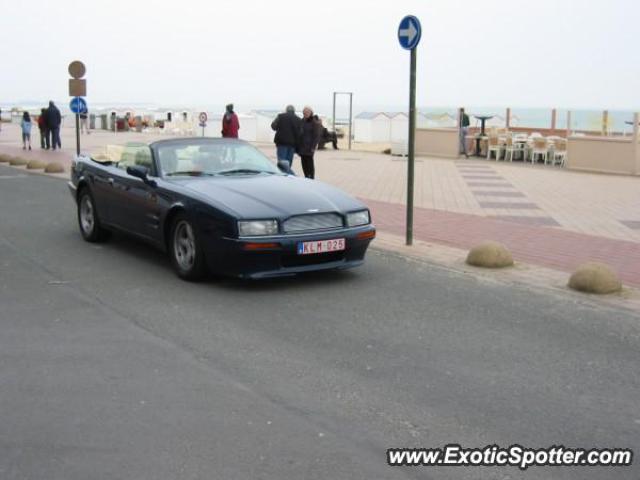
(110, 181)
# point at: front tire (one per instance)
(185, 250)
(88, 221)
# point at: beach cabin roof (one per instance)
(371, 115)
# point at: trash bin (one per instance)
(92, 121)
(103, 122)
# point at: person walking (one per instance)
(311, 131)
(44, 131)
(54, 119)
(288, 128)
(463, 132)
(25, 125)
(230, 123)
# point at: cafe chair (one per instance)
(560, 152)
(494, 146)
(514, 147)
(540, 147)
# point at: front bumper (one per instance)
(230, 256)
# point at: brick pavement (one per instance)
(545, 246)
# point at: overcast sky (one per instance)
(259, 53)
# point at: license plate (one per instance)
(321, 246)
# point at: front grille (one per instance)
(318, 221)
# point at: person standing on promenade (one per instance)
(463, 132)
(230, 123)
(84, 121)
(25, 125)
(311, 131)
(54, 119)
(288, 128)
(44, 130)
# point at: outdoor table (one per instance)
(483, 119)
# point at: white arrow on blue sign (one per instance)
(409, 32)
(78, 105)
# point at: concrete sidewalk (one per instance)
(546, 215)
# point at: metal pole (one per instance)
(78, 133)
(350, 117)
(412, 133)
(636, 139)
(334, 112)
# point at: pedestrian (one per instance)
(84, 121)
(463, 132)
(230, 123)
(326, 137)
(25, 125)
(44, 131)
(311, 131)
(54, 119)
(288, 128)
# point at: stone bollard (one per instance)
(54, 167)
(490, 255)
(595, 277)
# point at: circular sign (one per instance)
(78, 105)
(203, 117)
(409, 32)
(77, 69)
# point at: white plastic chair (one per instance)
(494, 146)
(540, 147)
(512, 147)
(560, 152)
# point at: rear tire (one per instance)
(88, 221)
(185, 250)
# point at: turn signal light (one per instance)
(260, 246)
(369, 234)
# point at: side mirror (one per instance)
(141, 172)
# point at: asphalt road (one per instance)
(113, 368)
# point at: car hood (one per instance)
(271, 196)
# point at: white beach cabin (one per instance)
(372, 127)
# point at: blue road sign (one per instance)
(409, 32)
(78, 105)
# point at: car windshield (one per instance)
(204, 158)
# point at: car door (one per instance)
(135, 203)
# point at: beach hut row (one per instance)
(393, 127)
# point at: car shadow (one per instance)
(302, 280)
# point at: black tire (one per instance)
(88, 220)
(185, 249)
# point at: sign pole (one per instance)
(412, 140)
(77, 134)
(409, 33)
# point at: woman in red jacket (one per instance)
(230, 123)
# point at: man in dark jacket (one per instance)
(288, 128)
(54, 119)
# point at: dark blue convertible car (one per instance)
(219, 205)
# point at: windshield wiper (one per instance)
(242, 170)
(192, 173)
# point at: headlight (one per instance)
(255, 228)
(358, 218)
